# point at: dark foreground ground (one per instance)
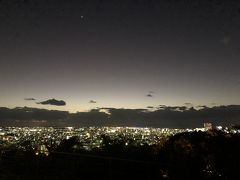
(197, 155)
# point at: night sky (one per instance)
(119, 53)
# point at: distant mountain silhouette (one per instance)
(165, 116)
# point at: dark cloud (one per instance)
(92, 102)
(26, 116)
(149, 95)
(29, 99)
(150, 107)
(173, 108)
(53, 102)
(162, 106)
(168, 116)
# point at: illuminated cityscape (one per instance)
(119, 89)
(40, 139)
